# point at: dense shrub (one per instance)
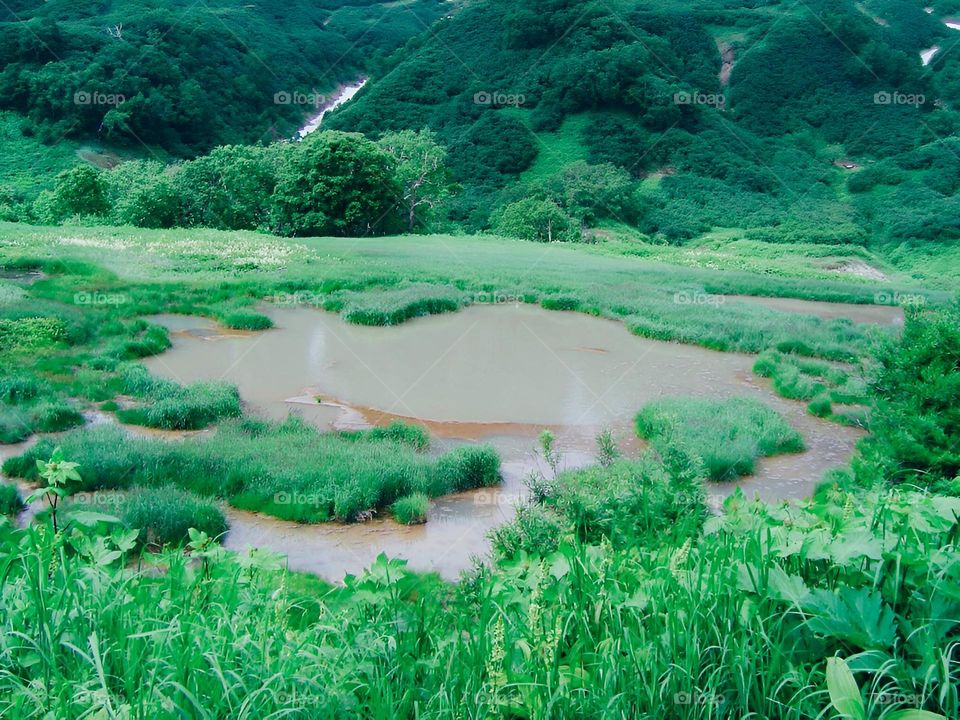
(916, 423)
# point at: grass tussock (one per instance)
(165, 514)
(393, 306)
(10, 501)
(411, 509)
(728, 435)
(169, 406)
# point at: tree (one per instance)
(536, 219)
(594, 191)
(336, 183)
(141, 193)
(81, 190)
(421, 171)
(229, 189)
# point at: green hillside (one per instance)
(518, 90)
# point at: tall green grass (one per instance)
(728, 435)
(164, 515)
(290, 470)
(737, 622)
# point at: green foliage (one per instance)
(915, 422)
(228, 189)
(81, 191)
(243, 320)
(421, 172)
(411, 509)
(415, 436)
(55, 416)
(471, 466)
(393, 306)
(165, 514)
(18, 389)
(799, 378)
(727, 435)
(821, 406)
(777, 590)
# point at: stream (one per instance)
(344, 93)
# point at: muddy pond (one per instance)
(486, 374)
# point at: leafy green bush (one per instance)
(728, 435)
(165, 514)
(915, 426)
(411, 509)
(536, 220)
